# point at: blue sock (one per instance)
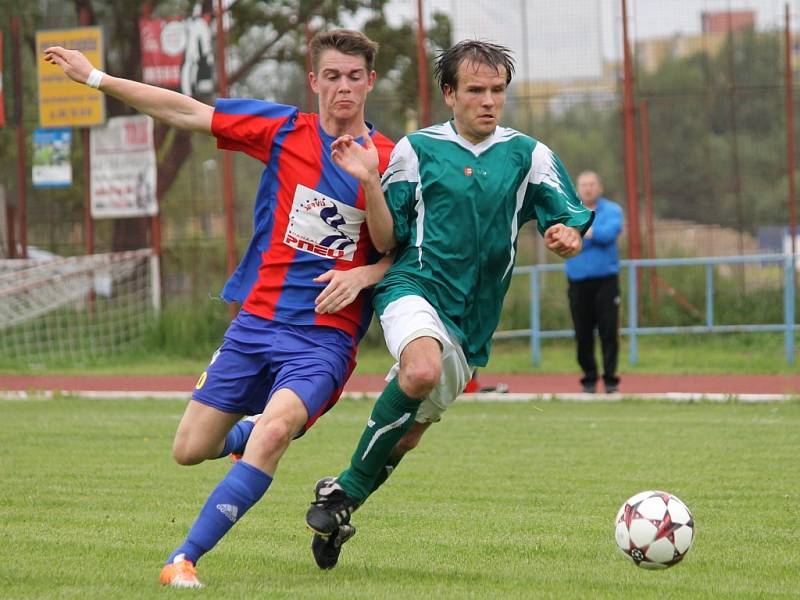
(237, 438)
(242, 487)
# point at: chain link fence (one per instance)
(709, 86)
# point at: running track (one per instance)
(359, 385)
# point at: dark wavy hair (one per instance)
(346, 41)
(472, 51)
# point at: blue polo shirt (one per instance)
(599, 256)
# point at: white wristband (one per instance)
(94, 79)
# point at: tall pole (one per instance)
(155, 220)
(526, 59)
(309, 67)
(227, 159)
(792, 199)
(22, 170)
(736, 177)
(422, 70)
(629, 130)
(88, 224)
(649, 219)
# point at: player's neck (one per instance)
(336, 127)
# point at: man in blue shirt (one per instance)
(593, 278)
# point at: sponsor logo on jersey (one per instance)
(322, 225)
(469, 171)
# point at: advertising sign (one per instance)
(123, 165)
(178, 54)
(52, 166)
(63, 102)
(163, 42)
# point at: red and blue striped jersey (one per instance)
(309, 215)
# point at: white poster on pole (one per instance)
(123, 164)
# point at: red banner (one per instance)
(163, 44)
(178, 54)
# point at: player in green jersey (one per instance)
(450, 207)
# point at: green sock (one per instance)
(392, 416)
(384, 473)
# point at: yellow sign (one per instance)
(63, 102)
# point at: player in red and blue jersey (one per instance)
(303, 282)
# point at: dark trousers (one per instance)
(594, 304)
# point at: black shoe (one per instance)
(612, 388)
(326, 549)
(589, 388)
(331, 509)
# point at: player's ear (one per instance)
(449, 95)
(312, 81)
(371, 80)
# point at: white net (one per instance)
(76, 308)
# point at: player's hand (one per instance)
(359, 161)
(564, 241)
(343, 287)
(75, 65)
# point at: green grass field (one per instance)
(501, 500)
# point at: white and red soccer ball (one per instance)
(654, 529)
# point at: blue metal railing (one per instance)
(633, 330)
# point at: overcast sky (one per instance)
(570, 38)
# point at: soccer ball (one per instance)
(654, 530)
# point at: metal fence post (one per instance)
(788, 307)
(633, 316)
(709, 295)
(536, 341)
(785, 324)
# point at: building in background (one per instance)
(715, 27)
(727, 21)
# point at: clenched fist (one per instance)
(564, 241)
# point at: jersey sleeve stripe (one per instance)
(519, 201)
(543, 168)
(249, 126)
(255, 108)
(403, 165)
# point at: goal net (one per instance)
(77, 307)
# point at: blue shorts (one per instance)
(259, 357)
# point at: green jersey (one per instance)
(457, 209)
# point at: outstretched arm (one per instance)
(362, 163)
(167, 106)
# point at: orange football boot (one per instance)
(180, 573)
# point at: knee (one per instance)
(185, 453)
(418, 379)
(271, 439)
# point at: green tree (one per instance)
(263, 33)
(717, 133)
